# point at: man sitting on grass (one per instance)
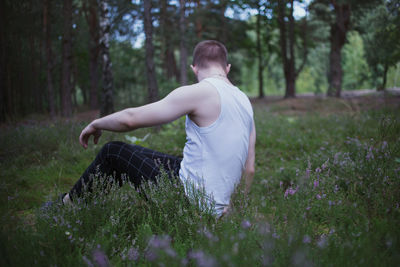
(219, 127)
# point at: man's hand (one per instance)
(87, 132)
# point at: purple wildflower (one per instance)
(133, 254)
(246, 224)
(235, 248)
(316, 183)
(151, 255)
(290, 191)
(322, 241)
(369, 155)
(325, 165)
(384, 145)
(87, 261)
(306, 239)
(318, 196)
(209, 235)
(275, 235)
(100, 258)
(308, 172)
(201, 259)
(336, 158)
(170, 252)
(336, 189)
(160, 242)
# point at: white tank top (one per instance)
(214, 156)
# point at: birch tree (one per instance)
(107, 105)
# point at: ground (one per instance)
(326, 192)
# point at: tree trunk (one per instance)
(74, 81)
(288, 61)
(49, 58)
(291, 75)
(30, 100)
(168, 53)
(66, 105)
(152, 86)
(91, 15)
(224, 24)
(259, 54)
(3, 94)
(107, 106)
(384, 78)
(339, 30)
(183, 51)
(199, 24)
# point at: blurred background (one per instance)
(58, 58)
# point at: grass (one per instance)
(326, 192)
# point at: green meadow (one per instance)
(326, 193)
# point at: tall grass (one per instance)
(326, 192)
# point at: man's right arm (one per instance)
(181, 101)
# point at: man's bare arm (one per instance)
(249, 170)
(181, 101)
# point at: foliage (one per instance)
(380, 28)
(355, 67)
(23, 60)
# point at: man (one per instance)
(219, 126)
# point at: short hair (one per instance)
(208, 52)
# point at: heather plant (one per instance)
(326, 192)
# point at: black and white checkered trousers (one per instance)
(137, 163)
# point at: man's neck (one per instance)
(212, 72)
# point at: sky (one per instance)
(298, 12)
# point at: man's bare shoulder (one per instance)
(197, 91)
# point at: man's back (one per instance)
(215, 154)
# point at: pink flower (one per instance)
(318, 196)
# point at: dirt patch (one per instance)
(326, 105)
(86, 116)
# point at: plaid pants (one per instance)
(138, 163)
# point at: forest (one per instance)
(60, 57)
(322, 77)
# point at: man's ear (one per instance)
(194, 69)
(228, 68)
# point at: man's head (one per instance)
(210, 53)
